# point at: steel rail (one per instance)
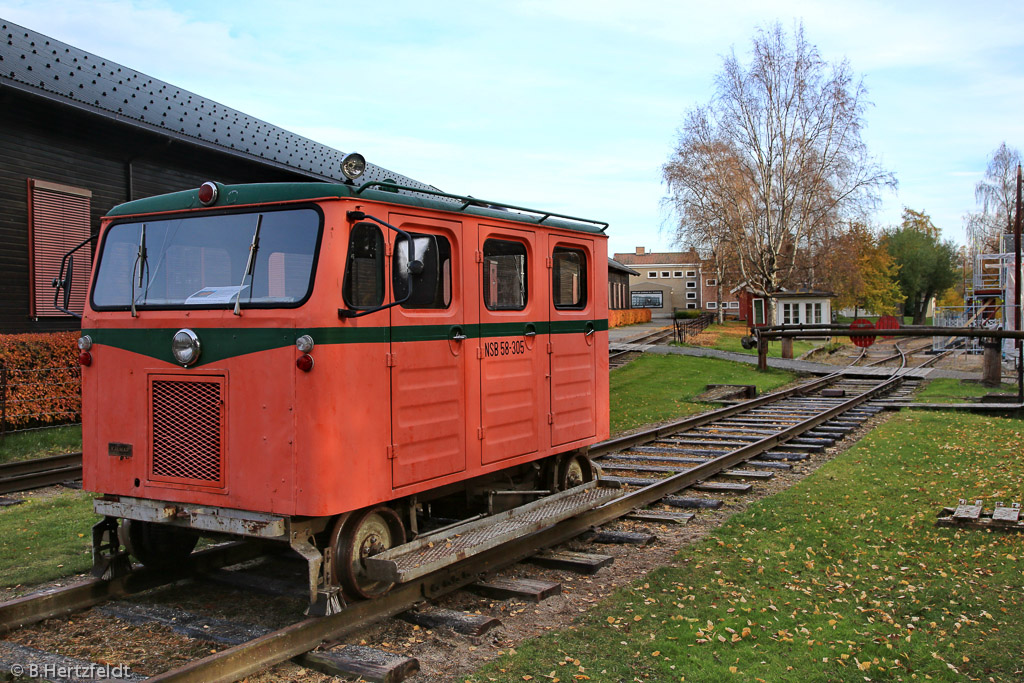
(28, 474)
(648, 435)
(37, 607)
(255, 655)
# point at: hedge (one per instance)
(43, 379)
(618, 317)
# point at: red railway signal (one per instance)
(862, 324)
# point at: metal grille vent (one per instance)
(187, 430)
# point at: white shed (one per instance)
(802, 307)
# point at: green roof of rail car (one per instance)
(267, 193)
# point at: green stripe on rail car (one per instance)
(219, 343)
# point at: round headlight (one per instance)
(304, 343)
(84, 342)
(208, 193)
(185, 347)
(353, 165)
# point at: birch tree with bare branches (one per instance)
(996, 194)
(775, 160)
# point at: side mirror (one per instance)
(416, 274)
(64, 277)
(63, 282)
(67, 281)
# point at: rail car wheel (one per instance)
(361, 535)
(574, 471)
(157, 546)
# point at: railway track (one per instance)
(618, 358)
(723, 452)
(38, 472)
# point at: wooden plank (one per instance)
(745, 474)
(1006, 515)
(186, 623)
(365, 663)
(622, 537)
(631, 481)
(261, 584)
(581, 563)
(966, 511)
(783, 455)
(692, 503)
(718, 486)
(661, 516)
(521, 589)
(460, 622)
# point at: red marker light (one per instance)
(304, 362)
(85, 358)
(207, 193)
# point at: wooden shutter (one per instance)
(58, 221)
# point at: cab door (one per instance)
(573, 328)
(512, 362)
(428, 352)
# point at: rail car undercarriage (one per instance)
(160, 534)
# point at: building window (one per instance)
(732, 304)
(647, 299)
(665, 273)
(816, 314)
(691, 295)
(691, 273)
(691, 305)
(505, 282)
(58, 222)
(790, 313)
(569, 278)
(677, 273)
(652, 273)
(711, 282)
(692, 284)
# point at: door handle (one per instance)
(588, 329)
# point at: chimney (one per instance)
(639, 251)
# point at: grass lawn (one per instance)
(656, 388)
(843, 577)
(47, 537)
(37, 443)
(727, 336)
(947, 390)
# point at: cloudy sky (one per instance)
(569, 105)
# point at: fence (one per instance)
(685, 327)
(39, 398)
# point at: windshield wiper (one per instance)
(250, 266)
(142, 263)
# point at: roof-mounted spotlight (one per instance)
(353, 165)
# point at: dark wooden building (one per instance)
(81, 134)
(618, 284)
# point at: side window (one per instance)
(430, 275)
(569, 278)
(364, 271)
(505, 281)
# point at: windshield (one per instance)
(200, 261)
